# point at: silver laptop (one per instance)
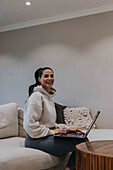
(77, 134)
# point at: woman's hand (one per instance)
(76, 130)
(60, 131)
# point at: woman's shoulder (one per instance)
(35, 96)
(36, 93)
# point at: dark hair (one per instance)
(38, 73)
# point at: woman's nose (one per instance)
(49, 77)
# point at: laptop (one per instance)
(77, 134)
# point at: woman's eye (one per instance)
(52, 76)
(46, 75)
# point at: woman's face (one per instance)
(47, 79)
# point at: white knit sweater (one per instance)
(40, 114)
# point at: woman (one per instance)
(40, 117)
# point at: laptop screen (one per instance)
(92, 123)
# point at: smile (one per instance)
(48, 82)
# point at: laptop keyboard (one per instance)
(70, 134)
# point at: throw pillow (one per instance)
(79, 117)
(8, 120)
(59, 113)
(21, 130)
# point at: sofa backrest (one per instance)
(11, 120)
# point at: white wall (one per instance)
(80, 51)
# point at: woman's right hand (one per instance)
(59, 131)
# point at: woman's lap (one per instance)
(53, 145)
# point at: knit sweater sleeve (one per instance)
(32, 115)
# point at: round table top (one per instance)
(103, 148)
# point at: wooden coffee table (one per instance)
(95, 155)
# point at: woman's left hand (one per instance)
(76, 130)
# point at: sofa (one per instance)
(13, 154)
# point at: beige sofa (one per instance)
(13, 154)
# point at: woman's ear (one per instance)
(39, 79)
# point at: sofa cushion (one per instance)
(8, 120)
(16, 156)
(59, 113)
(79, 117)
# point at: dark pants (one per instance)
(55, 146)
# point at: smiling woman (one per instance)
(40, 120)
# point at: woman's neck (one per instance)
(46, 89)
